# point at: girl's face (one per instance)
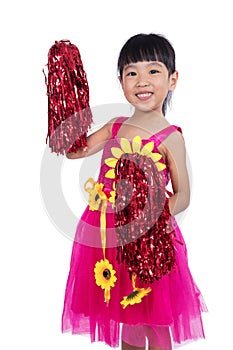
(146, 84)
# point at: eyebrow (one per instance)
(154, 63)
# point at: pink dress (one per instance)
(174, 303)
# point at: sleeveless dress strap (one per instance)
(164, 133)
(117, 124)
(160, 136)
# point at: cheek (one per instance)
(126, 88)
(163, 84)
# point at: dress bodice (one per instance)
(115, 142)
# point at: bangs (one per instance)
(144, 47)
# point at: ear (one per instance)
(120, 80)
(173, 81)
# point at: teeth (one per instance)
(144, 95)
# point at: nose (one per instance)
(142, 80)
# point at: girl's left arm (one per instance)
(176, 159)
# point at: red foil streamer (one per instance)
(142, 219)
(69, 115)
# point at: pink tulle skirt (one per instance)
(170, 313)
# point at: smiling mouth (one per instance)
(144, 96)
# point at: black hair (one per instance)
(148, 47)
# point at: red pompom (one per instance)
(142, 218)
(69, 115)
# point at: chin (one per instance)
(147, 109)
(143, 108)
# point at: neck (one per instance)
(146, 116)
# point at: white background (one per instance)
(34, 256)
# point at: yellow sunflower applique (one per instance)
(135, 297)
(137, 147)
(105, 277)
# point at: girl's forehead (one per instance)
(145, 64)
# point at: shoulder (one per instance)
(175, 135)
(175, 138)
(115, 123)
(108, 126)
(114, 120)
(173, 144)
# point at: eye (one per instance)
(131, 74)
(154, 71)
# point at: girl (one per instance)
(99, 296)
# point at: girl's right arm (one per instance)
(95, 141)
